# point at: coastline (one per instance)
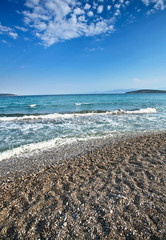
(25, 164)
(111, 189)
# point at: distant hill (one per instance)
(115, 91)
(146, 91)
(7, 95)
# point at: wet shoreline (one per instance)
(27, 163)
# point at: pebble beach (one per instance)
(115, 190)
(82, 120)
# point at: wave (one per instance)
(33, 105)
(35, 148)
(79, 104)
(139, 111)
(76, 114)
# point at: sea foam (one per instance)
(79, 104)
(33, 105)
(71, 115)
(34, 148)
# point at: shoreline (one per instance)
(112, 190)
(25, 164)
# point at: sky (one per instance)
(81, 46)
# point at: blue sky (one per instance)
(70, 46)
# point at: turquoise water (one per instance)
(32, 123)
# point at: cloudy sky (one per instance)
(81, 46)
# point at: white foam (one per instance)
(34, 148)
(79, 104)
(33, 105)
(140, 111)
(71, 115)
(31, 117)
(143, 110)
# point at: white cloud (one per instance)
(127, 2)
(82, 18)
(33, 16)
(40, 26)
(150, 11)
(90, 14)
(157, 4)
(108, 7)
(58, 20)
(94, 49)
(100, 9)
(160, 4)
(146, 2)
(87, 6)
(95, 5)
(59, 7)
(31, 3)
(4, 28)
(117, 5)
(8, 31)
(13, 35)
(23, 29)
(4, 41)
(117, 13)
(78, 11)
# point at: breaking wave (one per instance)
(79, 104)
(76, 114)
(33, 105)
(140, 111)
(34, 148)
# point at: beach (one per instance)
(111, 190)
(82, 120)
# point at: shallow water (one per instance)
(31, 123)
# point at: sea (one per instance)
(29, 124)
